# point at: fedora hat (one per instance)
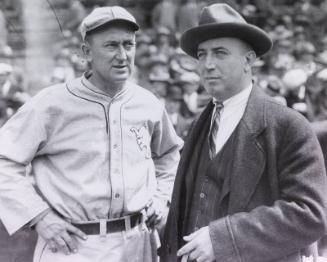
(220, 20)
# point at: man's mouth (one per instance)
(120, 66)
(210, 78)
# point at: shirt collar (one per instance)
(87, 83)
(237, 99)
(83, 88)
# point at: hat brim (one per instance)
(254, 36)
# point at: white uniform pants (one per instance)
(134, 245)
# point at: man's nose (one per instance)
(121, 53)
(208, 63)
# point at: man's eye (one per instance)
(200, 55)
(129, 46)
(220, 53)
(111, 45)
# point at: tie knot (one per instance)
(218, 105)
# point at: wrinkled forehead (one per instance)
(115, 31)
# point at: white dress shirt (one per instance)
(230, 116)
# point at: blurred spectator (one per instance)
(281, 33)
(309, 12)
(164, 15)
(249, 12)
(163, 41)
(319, 97)
(174, 98)
(294, 81)
(275, 89)
(79, 65)
(322, 55)
(259, 73)
(12, 93)
(143, 51)
(6, 54)
(188, 15)
(300, 35)
(75, 15)
(190, 83)
(181, 63)
(304, 53)
(158, 65)
(63, 69)
(3, 30)
(287, 21)
(159, 85)
(282, 60)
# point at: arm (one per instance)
(293, 221)
(20, 139)
(165, 146)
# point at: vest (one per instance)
(210, 200)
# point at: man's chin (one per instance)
(120, 78)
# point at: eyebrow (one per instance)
(124, 41)
(219, 48)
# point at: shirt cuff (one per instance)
(39, 217)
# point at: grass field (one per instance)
(16, 248)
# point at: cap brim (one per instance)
(254, 36)
(133, 25)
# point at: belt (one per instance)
(112, 226)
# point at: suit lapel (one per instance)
(249, 159)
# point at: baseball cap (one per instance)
(103, 15)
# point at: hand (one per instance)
(153, 217)
(55, 231)
(199, 246)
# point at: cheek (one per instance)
(103, 57)
(131, 57)
(201, 70)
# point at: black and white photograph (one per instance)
(163, 130)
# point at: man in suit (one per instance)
(251, 183)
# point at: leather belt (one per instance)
(112, 226)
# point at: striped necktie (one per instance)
(214, 129)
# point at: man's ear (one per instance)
(250, 58)
(87, 52)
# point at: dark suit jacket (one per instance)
(277, 191)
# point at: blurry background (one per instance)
(40, 46)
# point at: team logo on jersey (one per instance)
(142, 139)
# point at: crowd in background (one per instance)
(294, 72)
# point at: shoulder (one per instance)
(47, 100)
(146, 98)
(265, 113)
(284, 116)
(284, 126)
(141, 91)
(49, 95)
